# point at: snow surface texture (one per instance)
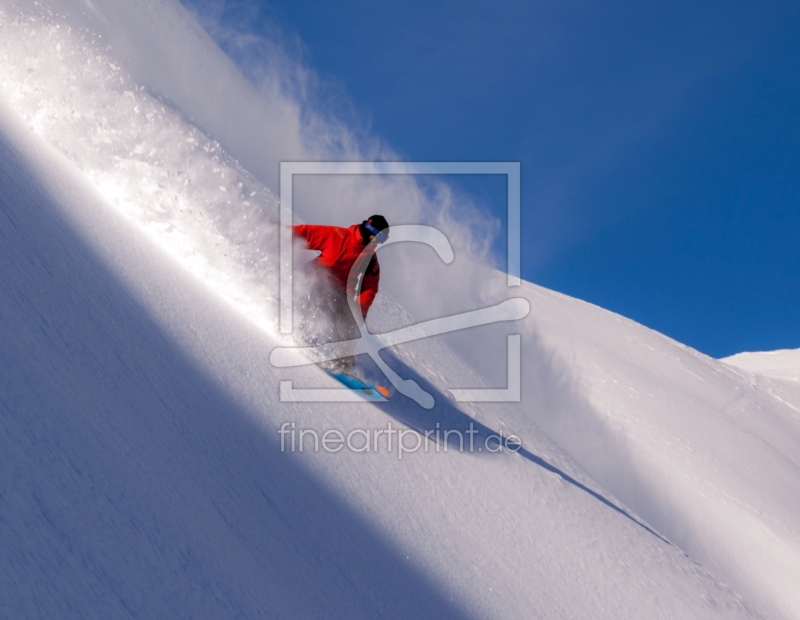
(142, 468)
(784, 365)
(777, 372)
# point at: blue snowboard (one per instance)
(366, 389)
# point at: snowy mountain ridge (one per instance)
(144, 474)
(783, 364)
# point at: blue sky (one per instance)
(659, 142)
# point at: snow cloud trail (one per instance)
(145, 156)
(120, 60)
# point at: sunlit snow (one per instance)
(142, 466)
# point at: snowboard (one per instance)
(366, 389)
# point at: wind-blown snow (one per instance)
(144, 155)
(142, 469)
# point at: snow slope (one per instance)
(143, 475)
(142, 468)
(784, 365)
(776, 372)
(704, 453)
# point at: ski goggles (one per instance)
(380, 236)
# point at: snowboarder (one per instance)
(340, 249)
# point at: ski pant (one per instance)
(324, 316)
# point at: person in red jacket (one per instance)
(340, 249)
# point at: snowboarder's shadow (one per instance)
(466, 434)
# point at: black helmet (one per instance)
(379, 228)
(379, 222)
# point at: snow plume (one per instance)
(141, 98)
(144, 155)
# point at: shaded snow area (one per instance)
(144, 474)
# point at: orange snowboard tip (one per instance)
(382, 391)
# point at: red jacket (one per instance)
(340, 248)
